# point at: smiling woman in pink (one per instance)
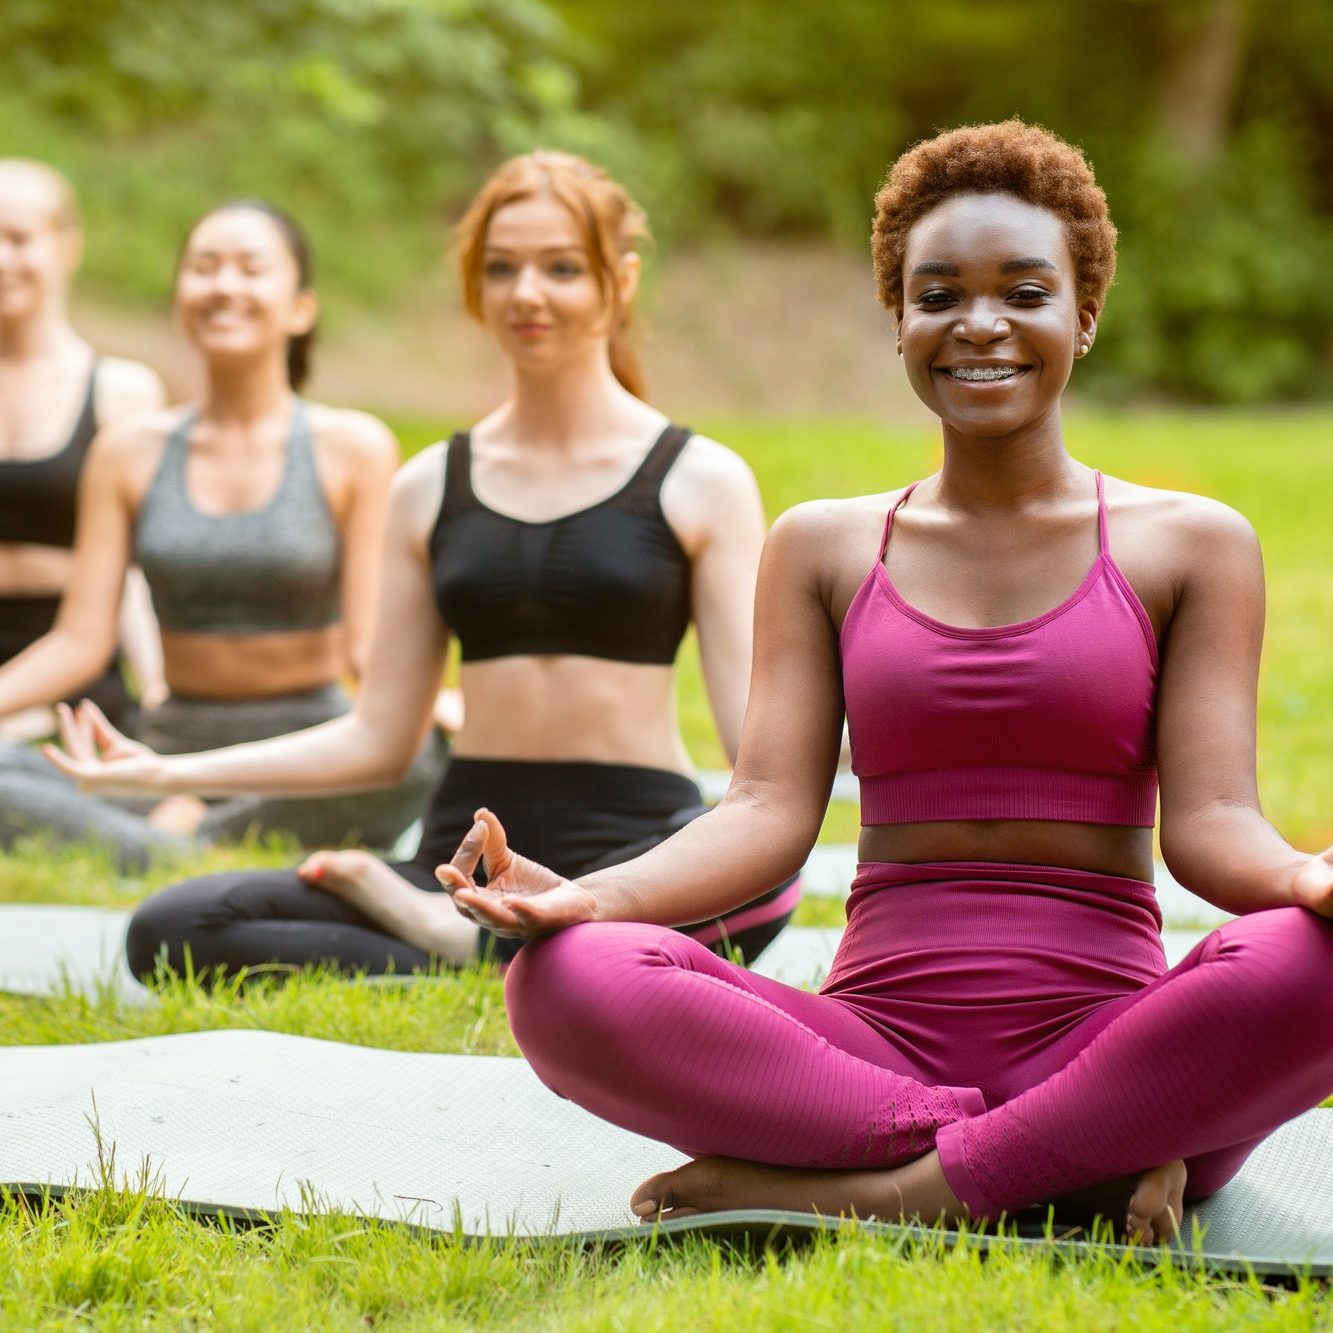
(1023, 649)
(567, 541)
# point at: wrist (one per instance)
(171, 776)
(599, 904)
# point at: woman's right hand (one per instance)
(521, 898)
(101, 759)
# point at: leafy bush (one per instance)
(1225, 286)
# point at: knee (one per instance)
(547, 979)
(1291, 951)
(577, 983)
(161, 928)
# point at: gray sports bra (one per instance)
(262, 570)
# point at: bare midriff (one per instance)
(1108, 849)
(251, 666)
(573, 709)
(29, 570)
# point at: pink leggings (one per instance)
(1040, 994)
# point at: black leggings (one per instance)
(575, 818)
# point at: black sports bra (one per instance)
(38, 496)
(608, 581)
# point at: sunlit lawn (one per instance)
(132, 1262)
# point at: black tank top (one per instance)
(38, 496)
(609, 581)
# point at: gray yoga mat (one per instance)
(45, 950)
(249, 1123)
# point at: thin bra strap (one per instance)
(458, 493)
(888, 521)
(1103, 540)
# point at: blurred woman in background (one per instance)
(256, 517)
(55, 391)
(568, 541)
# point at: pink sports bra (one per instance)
(1051, 718)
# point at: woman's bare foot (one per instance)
(1148, 1208)
(1145, 1209)
(178, 814)
(1157, 1203)
(917, 1190)
(430, 921)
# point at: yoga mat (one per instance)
(45, 949)
(251, 1122)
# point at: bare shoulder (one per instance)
(126, 453)
(357, 439)
(831, 544)
(418, 490)
(138, 434)
(1179, 520)
(126, 388)
(706, 463)
(818, 522)
(710, 494)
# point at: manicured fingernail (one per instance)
(316, 872)
(647, 1208)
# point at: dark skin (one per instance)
(1004, 532)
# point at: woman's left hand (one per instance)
(521, 898)
(1313, 883)
(101, 759)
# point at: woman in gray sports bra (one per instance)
(256, 517)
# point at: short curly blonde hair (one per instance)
(1010, 157)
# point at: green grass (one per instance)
(460, 1013)
(127, 1257)
(113, 1259)
(128, 1260)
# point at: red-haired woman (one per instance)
(567, 541)
(55, 392)
(1022, 647)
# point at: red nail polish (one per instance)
(317, 873)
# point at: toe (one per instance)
(314, 867)
(1155, 1206)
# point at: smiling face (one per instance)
(991, 321)
(38, 249)
(238, 290)
(540, 293)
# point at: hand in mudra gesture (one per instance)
(100, 758)
(520, 898)
(1313, 883)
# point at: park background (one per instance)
(755, 132)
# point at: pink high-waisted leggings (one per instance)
(1019, 1019)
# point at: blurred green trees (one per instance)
(1210, 122)
(363, 117)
